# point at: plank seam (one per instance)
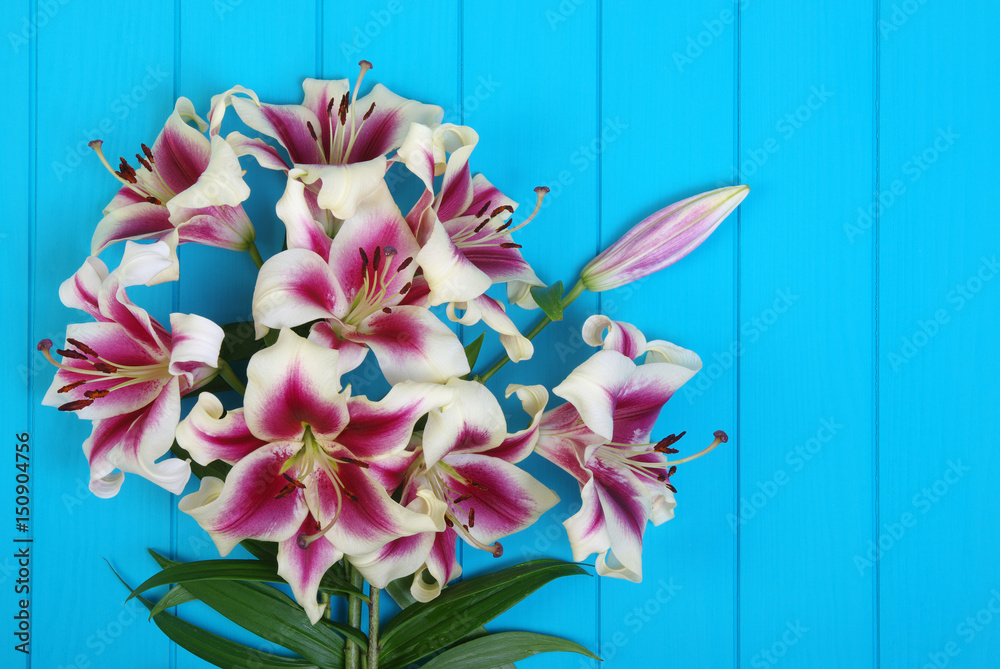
(600, 203)
(737, 103)
(876, 502)
(32, 222)
(460, 44)
(320, 39)
(176, 299)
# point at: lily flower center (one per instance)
(145, 182)
(342, 125)
(473, 234)
(439, 485)
(376, 276)
(625, 455)
(99, 369)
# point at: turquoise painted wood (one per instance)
(847, 316)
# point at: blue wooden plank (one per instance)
(805, 322)
(939, 312)
(104, 70)
(274, 68)
(23, 369)
(669, 124)
(530, 90)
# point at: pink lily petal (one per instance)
(505, 499)
(293, 384)
(382, 428)
(663, 351)
(317, 96)
(136, 221)
(195, 344)
(140, 264)
(289, 124)
(222, 227)
(516, 447)
(295, 287)
(351, 354)
(640, 401)
(452, 276)
(442, 565)
(265, 154)
(302, 231)
(133, 441)
(220, 182)
(221, 102)
(181, 152)
(412, 344)
(211, 433)
(594, 387)
(342, 188)
(389, 122)
(491, 312)
(251, 503)
(472, 422)
(623, 337)
(80, 291)
(304, 568)
(626, 505)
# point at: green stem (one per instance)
(229, 376)
(567, 299)
(255, 255)
(373, 594)
(352, 652)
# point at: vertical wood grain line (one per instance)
(320, 39)
(737, 104)
(597, 249)
(176, 297)
(460, 46)
(32, 223)
(876, 183)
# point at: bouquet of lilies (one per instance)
(326, 489)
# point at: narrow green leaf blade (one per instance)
(268, 613)
(549, 299)
(217, 650)
(496, 649)
(176, 596)
(472, 350)
(422, 629)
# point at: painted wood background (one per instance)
(847, 316)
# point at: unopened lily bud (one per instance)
(661, 239)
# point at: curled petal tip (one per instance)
(44, 345)
(721, 436)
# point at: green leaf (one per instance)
(496, 649)
(421, 629)
(218, 468)
(549, 299)
(268, 613)
(176, 596)
(240, 341)
(265, 551)
(234, 570)
(217, 650)
(472, 350)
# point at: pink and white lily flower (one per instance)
(362, 285)
(339, 141)
(662, 239)
(187, 188)
(465, 229)
(467, 458)
(312, 466)
(127, 373)
(601, 437)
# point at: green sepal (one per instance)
(549, 299)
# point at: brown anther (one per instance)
(342, 112)
(671, 471)
(661, 477)
(149, 154)
(359, 463)
(83, 347)
(386, 310)
(105, 367)
(510, 245)
(474, 484)
(481, 225)
(76, 355)
(505, 225)
(71, 386)
(351, 496)
(405, 289)
(294, 482)
(364, 260)
(448, 521)
(368, 113)
(485, 207)
(462, 498)
(143, 162)
(377, 258)
(76, 405)
(285, 492)
(312, 130)
(671, 488)
(152, 200)
(472, 517)
(406, 263)
(97, 393)
(498, 210)
(329, 106)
